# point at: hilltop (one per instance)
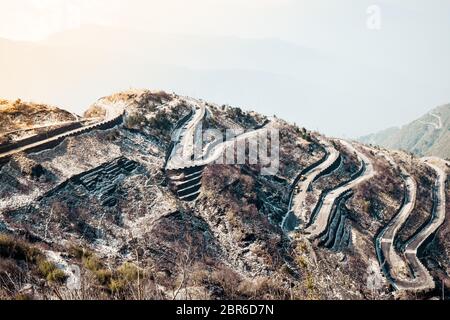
(23, 116)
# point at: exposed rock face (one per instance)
(103, 201)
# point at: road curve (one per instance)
(422, 278)
(182, 156)
(187, 158)
(393, 264)
(320, 224)
(438, 125)
(113, 113)
(183, 151)
(303, 183)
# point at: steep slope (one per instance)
(118, 202)
(427, 136)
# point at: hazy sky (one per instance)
(409, 40)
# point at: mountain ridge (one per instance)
(426, 136)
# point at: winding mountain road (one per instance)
(298, 200)
(183, 152)
(438, 125)
(422, 279)
(320, 224)
(184, 155)
(188, 157)
(396, 268)
(113, 113)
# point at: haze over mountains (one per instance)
(427, 136)
(304, 85)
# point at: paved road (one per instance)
(113, 112)
(182, 156)
(398, 266)
(218, 150)
(422, 278)
(183, 151)
(319, 226)
(299, 199)
(385, 241)
(62, 123)
(438, 125)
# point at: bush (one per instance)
(49, 271)
(46, 267)
(57, 276)
(161, 122)
(103, 276)
(18, 250)
(117, 285)
(14, 249)
(162, 95)
(263, 288)
(129, 272)
(92, 263)
(135, 121)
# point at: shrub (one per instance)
(263, 288)
(45, 267)
(76, 252)
(129, 272)
(14, 249)
(135, 121)
(49, 271)
(309, 283)
(23, 297)
(57, 276)
(18, 250)
(162, 95)
(117, 285)
(161, 122)
(301, 261)
(92, 263)
(103, 276)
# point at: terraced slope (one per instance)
(322, 218)
(188, 157)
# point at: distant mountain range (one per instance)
(73, 68)
(427, 136)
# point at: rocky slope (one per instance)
(427, 136)
(102, 201)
